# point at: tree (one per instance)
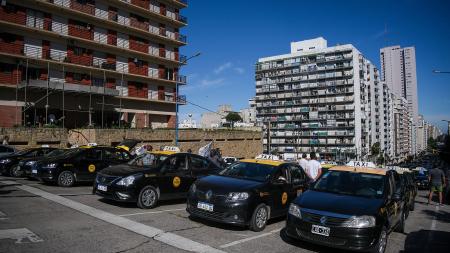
(233, 117)
(432, 143)
(375, 150)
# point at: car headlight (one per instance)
(295, 210)
(127, 181)
(30, 163)
(4, 161)
(360, 222)
(50, 165)
(233, 196)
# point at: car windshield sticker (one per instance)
(284, 198)
(91, 168)
(176, 182)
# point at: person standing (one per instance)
(303, 162)
(437, 181)
(313, 168)
(447, 188)
(5, 140)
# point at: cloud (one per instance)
(210, 82)
(223, 67)
(239, 70)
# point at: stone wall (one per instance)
(239, 143)
(34, 137)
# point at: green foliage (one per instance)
(375, 149)
(432, 144)
(233, 117)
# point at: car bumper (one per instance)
(43, 174)
(356, 239)
(236, 213)
(120, 194)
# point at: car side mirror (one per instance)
(280, 181)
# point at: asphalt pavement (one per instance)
(35, 217)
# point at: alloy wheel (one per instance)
(148, 197)
(261, 217)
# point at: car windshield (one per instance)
(250, 171)
(56, 152)
(350, 183)
(148, 160)
(23, 152)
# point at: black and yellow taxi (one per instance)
(9, 164)
(27, 165)
(78, 164)
(352, 208)
(153, 176)
(247, 193)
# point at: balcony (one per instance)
(140, 25)
(85, 59)
(13, 16)
(81, 32)
(88, 8)
(138, 46)
(12, 48)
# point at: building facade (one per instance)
(91, 62)
(401, 129)
(322, 99)
(398, 71)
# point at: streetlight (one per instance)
(176, 100)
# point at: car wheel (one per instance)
(380, 247)
(259, 218)
(413, 206)
(66, 179)
(148, 197)
(16, 172)
(401, 224)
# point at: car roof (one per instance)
(367, 170)
(262, 161)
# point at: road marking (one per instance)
(133, 226)
(161, 211)
(432, 226)
(21, 235)
(250, 238)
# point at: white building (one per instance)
(322, 99)
(398, 71)
(248, 115)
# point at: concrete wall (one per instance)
(239, 143)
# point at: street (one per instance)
(45, 218)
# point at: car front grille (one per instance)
(329, 220)
(208, 214)
(106, 180)
(201, 195)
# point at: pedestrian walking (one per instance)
(437, 181)
(5, 140)
(313, 168)
(303, 162)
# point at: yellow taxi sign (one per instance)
(359, 170)
(261, 161)
(123, 147)
(171, 148)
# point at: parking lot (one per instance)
(44, 218)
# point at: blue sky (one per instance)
(232, 35)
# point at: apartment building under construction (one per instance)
(76, 63)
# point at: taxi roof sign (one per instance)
(368, 170)
(267, 157)
(361, 164)
(171, 148)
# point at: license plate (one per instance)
(33, 171)
(205, 206)
(102, 187)
(319, 230)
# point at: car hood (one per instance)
(223, 185)
(337, 203)
(123, 170)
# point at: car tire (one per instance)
(411, 208)
(15, 171)
(66, 179)
(148, 197)
(401, 224)
(259, 218)
(381, 245)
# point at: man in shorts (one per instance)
(437, 181)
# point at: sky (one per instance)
(231, 36)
